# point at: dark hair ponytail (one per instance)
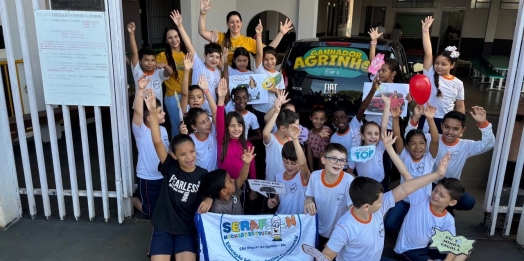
(227, 36)
(436, 77)
(191, 118)
(394, 66)
(169, 53)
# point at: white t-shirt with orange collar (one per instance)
(274, 162)
(293, 201)
(461, 149)
(356, 239)
(331, 200)
(420, 221)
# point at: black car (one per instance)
(331, 71)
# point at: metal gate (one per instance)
(122, 189)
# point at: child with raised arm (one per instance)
(416, 155)
(327, 191)
(144, 62)
(275, 141)
(359, 234)
(149, 179)
(174, 231)
(225, 190)
(370, 135)
(295, 177)
(453, 126)
(447, 91)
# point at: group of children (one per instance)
(205, 168)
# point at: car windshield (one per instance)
(331, 73)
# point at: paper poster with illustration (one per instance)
(395, 91)
(255, 237)
(257, 86)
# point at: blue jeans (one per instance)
(174, 113)
(395, 216)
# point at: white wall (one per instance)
(475, 20)
(506, 24)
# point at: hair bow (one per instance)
(454, 54)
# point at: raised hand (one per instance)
(443, 165)
(176, 17)
(478, 114)
(376, 84)
(249, 155)
(202, 83)
(385, 99)
(225, 55)
(294, 131)
(205, 5)
(388, 139)
(214, 36)
(188, 61)
(183, 128)
(282, 96)
(395, 112)
(150, 99)
(143, 82)
(286, 26)
(131, 27)
(430, 111)
(426, 23)
(160, 65)
(222, 88)
(373, 33)
(418, 110)
(259, 27)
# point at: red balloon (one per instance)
(420, 88)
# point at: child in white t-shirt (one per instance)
(416, 155)
(370, 135)
(241, 66)
(453, 127)
(327, 191)
(274, 141)
(148, 177)
(427, 213)
(304, 132)
(295, 177)
(447, 91)
(359, 234)
(348, 132)
(144, 62)
(266, 60)
(239, 99)
(208, 67)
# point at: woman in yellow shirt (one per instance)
(175, 51)
(232, 38)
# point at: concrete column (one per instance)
(306, 25)
(491, 26)
(10, 205)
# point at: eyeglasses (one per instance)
(336, 161)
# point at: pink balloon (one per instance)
(420, 88)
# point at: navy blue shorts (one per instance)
(148, 192)
(163, 243)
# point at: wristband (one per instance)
(202, 13)
(257, 35)
(207, 91)
(373, 42)
(425, 30)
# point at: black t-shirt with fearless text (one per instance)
(179, 198)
